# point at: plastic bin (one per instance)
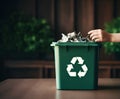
(76, 65)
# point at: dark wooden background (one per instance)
(64, 16)
(67, 15)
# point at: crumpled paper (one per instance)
(74, 37)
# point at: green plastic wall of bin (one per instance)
(64, 54)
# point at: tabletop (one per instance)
(46, 89)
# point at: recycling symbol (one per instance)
(70, 66)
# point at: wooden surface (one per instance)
(46, 89)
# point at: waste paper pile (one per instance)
(74, 37)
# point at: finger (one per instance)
(94, 34)
(94, 37)
(90, 32)
(97, 40)
(94, 31)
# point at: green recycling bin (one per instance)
(76, 65)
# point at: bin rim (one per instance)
(75, 44)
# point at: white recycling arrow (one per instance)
(84, 67)
(80, 60)
(83, 73)
(74, 59)
(69, 68)
(80, 73)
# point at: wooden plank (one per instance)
(104, 12)
(27, 64)
(116, 8)
(84, 15)
(64, 16)
(109, 62)
(27, 6)
(45, 9)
